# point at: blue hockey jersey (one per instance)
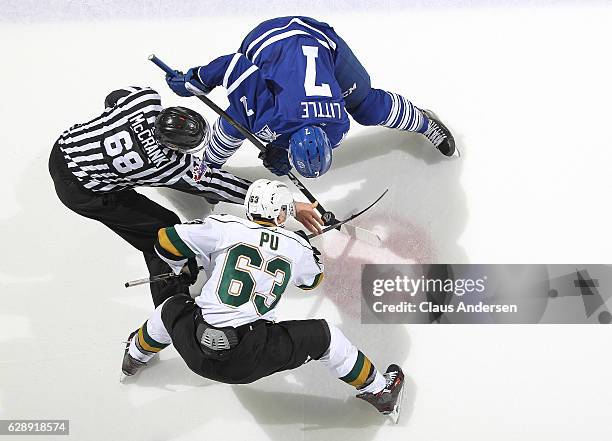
(280, 80)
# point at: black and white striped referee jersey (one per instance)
(118, 150)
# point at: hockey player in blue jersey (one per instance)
(291, 83)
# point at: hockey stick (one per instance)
(166, 276)
(350, 218)
(327, 216)
(155, 279)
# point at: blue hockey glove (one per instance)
(276, 159)
(186, 84)
(177, 83)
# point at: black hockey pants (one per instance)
(264, 348)
(131, 215)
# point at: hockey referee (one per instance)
(96, 165)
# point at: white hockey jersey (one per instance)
(249, 265)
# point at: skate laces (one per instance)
(390, 378)
(434, 133)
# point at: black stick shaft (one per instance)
(154, 279)
(327, 216)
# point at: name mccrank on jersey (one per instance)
(145, 134)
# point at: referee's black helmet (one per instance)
(182, 129)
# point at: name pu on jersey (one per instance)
(249, 265)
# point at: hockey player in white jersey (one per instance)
(228, 332)
(96, 167)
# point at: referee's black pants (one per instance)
(134, 217)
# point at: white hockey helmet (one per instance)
(267, 199)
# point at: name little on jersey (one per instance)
(318, 109)
(139, 126)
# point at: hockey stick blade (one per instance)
(350, 218)
(362, 234)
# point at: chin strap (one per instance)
(266, 223)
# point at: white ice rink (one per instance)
(526, 90)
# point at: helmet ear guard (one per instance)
(267, 200)
(310, 151)
(182, 129)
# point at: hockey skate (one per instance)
(389, 400)
(130, 365)
(439, 135)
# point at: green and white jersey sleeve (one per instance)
(197, 238)
(309, 271)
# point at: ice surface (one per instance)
(527, 93)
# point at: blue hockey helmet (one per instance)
(310, 151)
